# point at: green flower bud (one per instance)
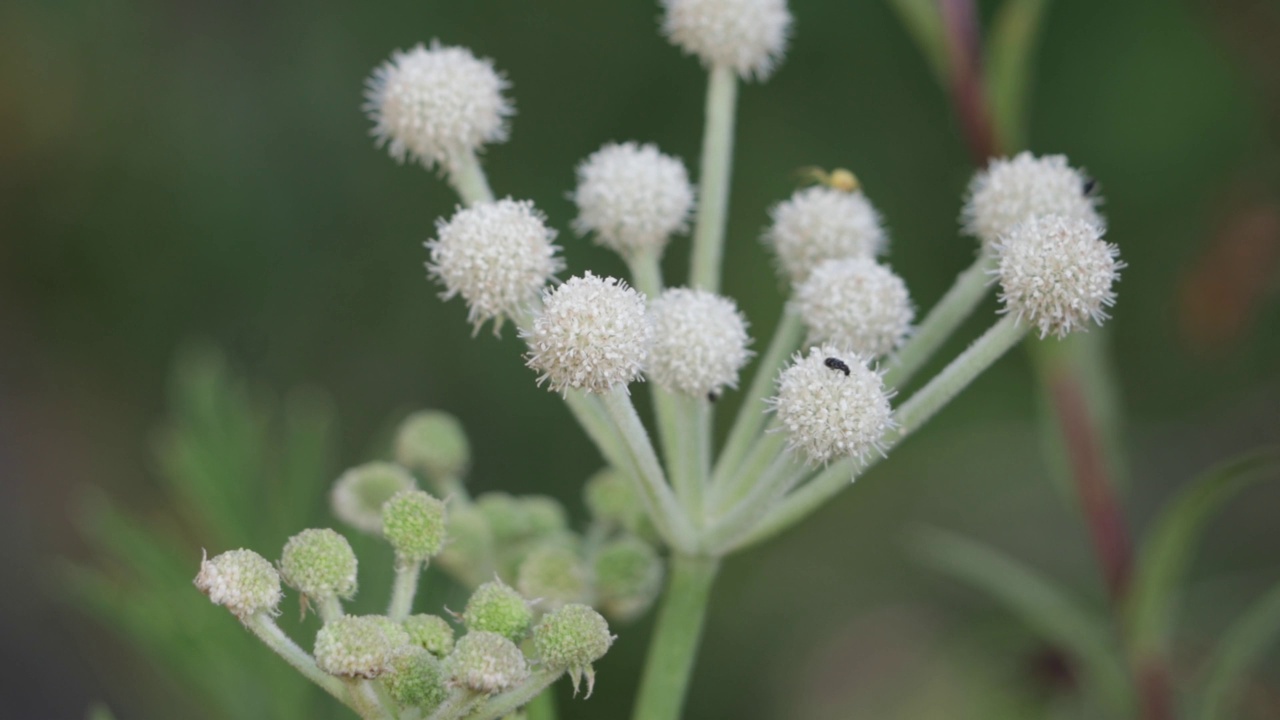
(572, 638)
(361, 646)
(430, 632)
(433, 443)
(612, 501)
(358, 495)
(486, 662)
(319, 564)
(495, 607)
(468, 555)
(414, 523)
(543, 515)
(506, 515)
(242, 580)
(416, 679)
(628, 574)
(554, 575)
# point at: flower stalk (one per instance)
(713, 190)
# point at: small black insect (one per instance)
(713, 396)
(836, 364)
(1089, 186)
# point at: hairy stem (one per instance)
(330, 609)
(366, 701)
(674, 646)
(459, 702)
(684, 426)
(272, 636)
(646, 273)
(403, 590)
(500, 706)
(736, 486)
(468, 179)
(713, 181)
(948, 314)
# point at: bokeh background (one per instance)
(183, 179)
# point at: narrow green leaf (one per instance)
(1243, 645)
(1041, 604)
(1166, 554)
(99, 711)
(1010, 52)
(924, 24)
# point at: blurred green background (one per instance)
(200, 172)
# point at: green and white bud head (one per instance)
(433, 443)
(632, 198)
(593, 333)
(359, 646)
(544, 515)
(1011, 190)
(746, 36)
(468, 553)
(498, 608)
(822, 223)
(320, 564)
(358, 495)
(553, 575)
(1057, 273)
(832, 406)
(610, 498)
(242, 581)
(431, 633)
(433, 105)
(416, 679)
(699, 342)
(856, 303)
(497, 256)
(506, 515)
(570, 639)
(414, 523)
(486, 662)
(628, 577)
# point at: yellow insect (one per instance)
(838, 179)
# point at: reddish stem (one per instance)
(968, 90)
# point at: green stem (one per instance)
(782, 475)
(366, 702)
(684, 428)
(912, 414)
(542, 707)
(675, 638)
(527, 693)
(404, 590)
(953, 309)
(664, 510)
(468, 179)
(457, 705)
(713, 181)
(736, 486)
(751, 416)
(272, 636)
(330, 609)
(594, 420)
(646, 273)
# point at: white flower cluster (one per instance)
(632, 197)
(832, 405)
(822, 223)
(747, 36)
(700, 342)
(856, 303)
(1011, 190)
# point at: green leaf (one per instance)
(99, 711)
(924, 24)
(1244, 643)
(1041, 604)
(1010, 50)
(1166, 554)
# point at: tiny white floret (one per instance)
(747, 36)
(832, 406)
(1011, 190)
(496, 255)
(856, 303)
(632, 198)
(433, 105)
(241, 580)
(593, 333)
(823, 223)
(1057, 273)
(699, 342)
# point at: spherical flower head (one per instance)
(416, 679)
(358, 646)
(855, 303)
(414, 523)
(496, 255)
(358, 495)
(496, 607)
(486, 662)
(1009, 191)
(832, 405)
(433, 443)
(699, 342)
(572, 638)
(822, 223)
(593, 333)
(545, 515)
(431, 633)
(628, 574)
(632, 197)
(467, 553)
(611, 499)
(553, 575)
(320, 564)
(434, 105)
(747, 36)
(241, 580)
(1057, 273)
